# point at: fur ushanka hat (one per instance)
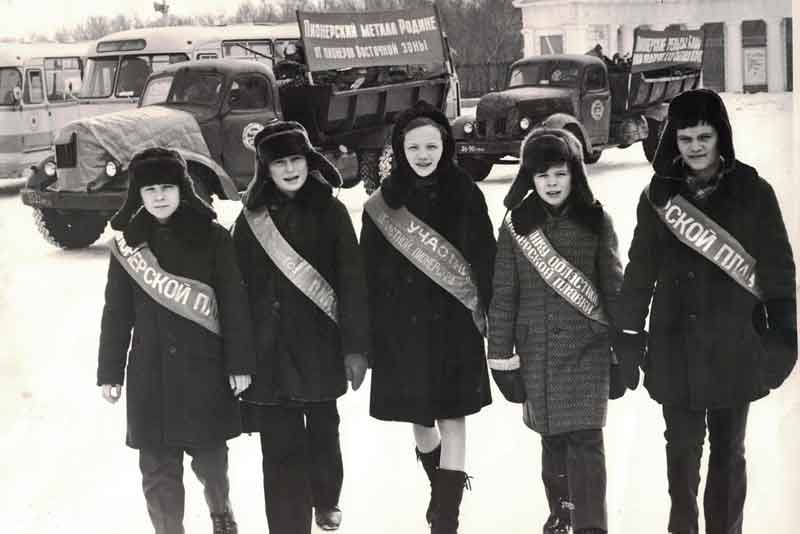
(280, 139)
(159, 166)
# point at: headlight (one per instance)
(524, 123)
(50, 168)
(469, 127)
(111, 169)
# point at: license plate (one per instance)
(471, 149)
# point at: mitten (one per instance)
(780, 342)
(510, 384)
(355, 367)
(631, 349)
(617, 384)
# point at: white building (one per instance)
(748, 42)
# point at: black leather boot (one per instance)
(448, 488)
(430, 463)
(224, 523)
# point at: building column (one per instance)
(626, 46)
(776, 75)
(575, 41)
(733, 56)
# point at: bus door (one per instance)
(11, 132)
(36, 119)
(248, 107)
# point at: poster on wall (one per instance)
(755, 65)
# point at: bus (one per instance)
(38, 87)
(119, 64)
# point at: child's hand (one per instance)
(112, 392)
(355, 367)
(239, 383)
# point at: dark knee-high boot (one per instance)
(448, 488)
(430, 463)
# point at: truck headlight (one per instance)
(50, 168)
(111, 169)
(524, 123)
(469, 127)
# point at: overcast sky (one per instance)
(21, 17)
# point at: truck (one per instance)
(211, 110)
(604, 103)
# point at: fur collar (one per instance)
(190, 227)
(532, 213)
(315, 193)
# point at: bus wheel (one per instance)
(477, 168)
(74, 229)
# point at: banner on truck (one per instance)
(663, 49)
(380, 38)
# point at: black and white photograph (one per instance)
(399, 266)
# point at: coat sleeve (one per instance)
(775, 265)
(609, 267)
(115, 327)
(234, 308)
(373, 248)
(351, 287)
(484, 246)
(642, 271)
(505, 301)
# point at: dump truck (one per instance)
(211, 111)
(604, 103)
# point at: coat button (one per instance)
(557, 330)
(276, 305)
(692, 316)
(172, 350)
(690, 276)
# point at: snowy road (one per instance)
(65, 467)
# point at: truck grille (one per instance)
(492, 128)
(66, 154)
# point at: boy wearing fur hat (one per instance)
(173, 284)
(556, 279)
(303, 271)
(710, 250)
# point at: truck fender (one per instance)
(225, 181)
(568, 122)
(658, 112)
(457, 126)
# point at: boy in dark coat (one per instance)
(302, 267)
(711, 251)
(173, 279)
(428, 359)
(556, 276)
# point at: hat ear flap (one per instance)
(519, 189)
(133, 202)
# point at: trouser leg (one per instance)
(325, 454)
(685, 434)
(726, 485)
(586, 473)
(211, 468)
(554, 477)
(284, 449)
(162, 483)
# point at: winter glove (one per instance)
(617, 386)
(355, 367)
(510, 384)
(779, 339)
(631, 349)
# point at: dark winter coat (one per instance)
(427, 356)
(300, 349)
(564, 356)
(177, 389)
(704, 348)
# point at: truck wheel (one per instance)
(592, 157)
(651, 143)
(75, 229)
(478, 168)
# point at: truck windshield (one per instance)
(10, 77)
(553, 74)
(130, 73)
(193, 88)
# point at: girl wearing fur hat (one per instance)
(556, 278)
(303, 272)
(429, 249)
(173, 281)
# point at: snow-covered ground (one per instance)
(65, 467)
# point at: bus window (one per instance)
(159, 63)
(257, 50)
(34, 92)
(99, 78)
(62, 78)
(9, 79)
(133, 72)
(248, 93)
